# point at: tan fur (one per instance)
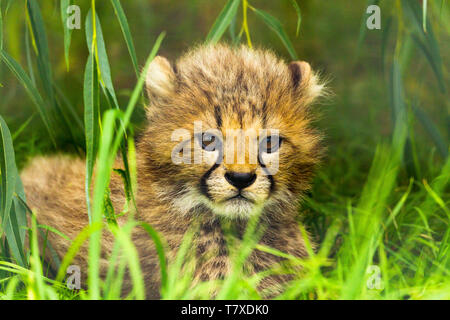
(238, 87)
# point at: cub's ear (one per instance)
(300, 72)
(160, 79)
(305, 81)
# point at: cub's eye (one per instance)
(270, 144)
(209, 141)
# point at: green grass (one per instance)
(379, 205)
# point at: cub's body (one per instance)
(225, 88)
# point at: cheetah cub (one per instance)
(228, 136)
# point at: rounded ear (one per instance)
(300, 72)
(160, 78)
(305, 81)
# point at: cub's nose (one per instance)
(240, 180)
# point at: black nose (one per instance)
(240, 180)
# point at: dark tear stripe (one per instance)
(241, 117)
(203, 184)
(271, 179)
(218, 116)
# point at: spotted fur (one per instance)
(225, 88)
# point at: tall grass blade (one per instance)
(432, 130)
(22, 128)
(223, 21)
(75, 247)
(103, 61)
(276, 26)
(161, 255)
(398, 107)
(424, 15)
(299, 16)
(37, 291)
(379, 185)
(434, 58)
(28, 55)
(131, 253)
(15, 228)
(426, 41)
(8, 170)
(252, 235)
(107, 152)
(40, 39)
(91, 110)
(12, 215)
(126, 33)
(106, 158)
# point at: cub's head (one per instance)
(229, 130)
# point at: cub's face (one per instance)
(229, 129)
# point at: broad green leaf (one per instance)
(126, 33)
(67, 32)
(105, 72)
(276, 26)
(12, 215)
(223, 21)
(8, 171)
(91, 109)
(103, 62)
(33, 93)
(15, 230)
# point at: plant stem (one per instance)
(244, 22)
